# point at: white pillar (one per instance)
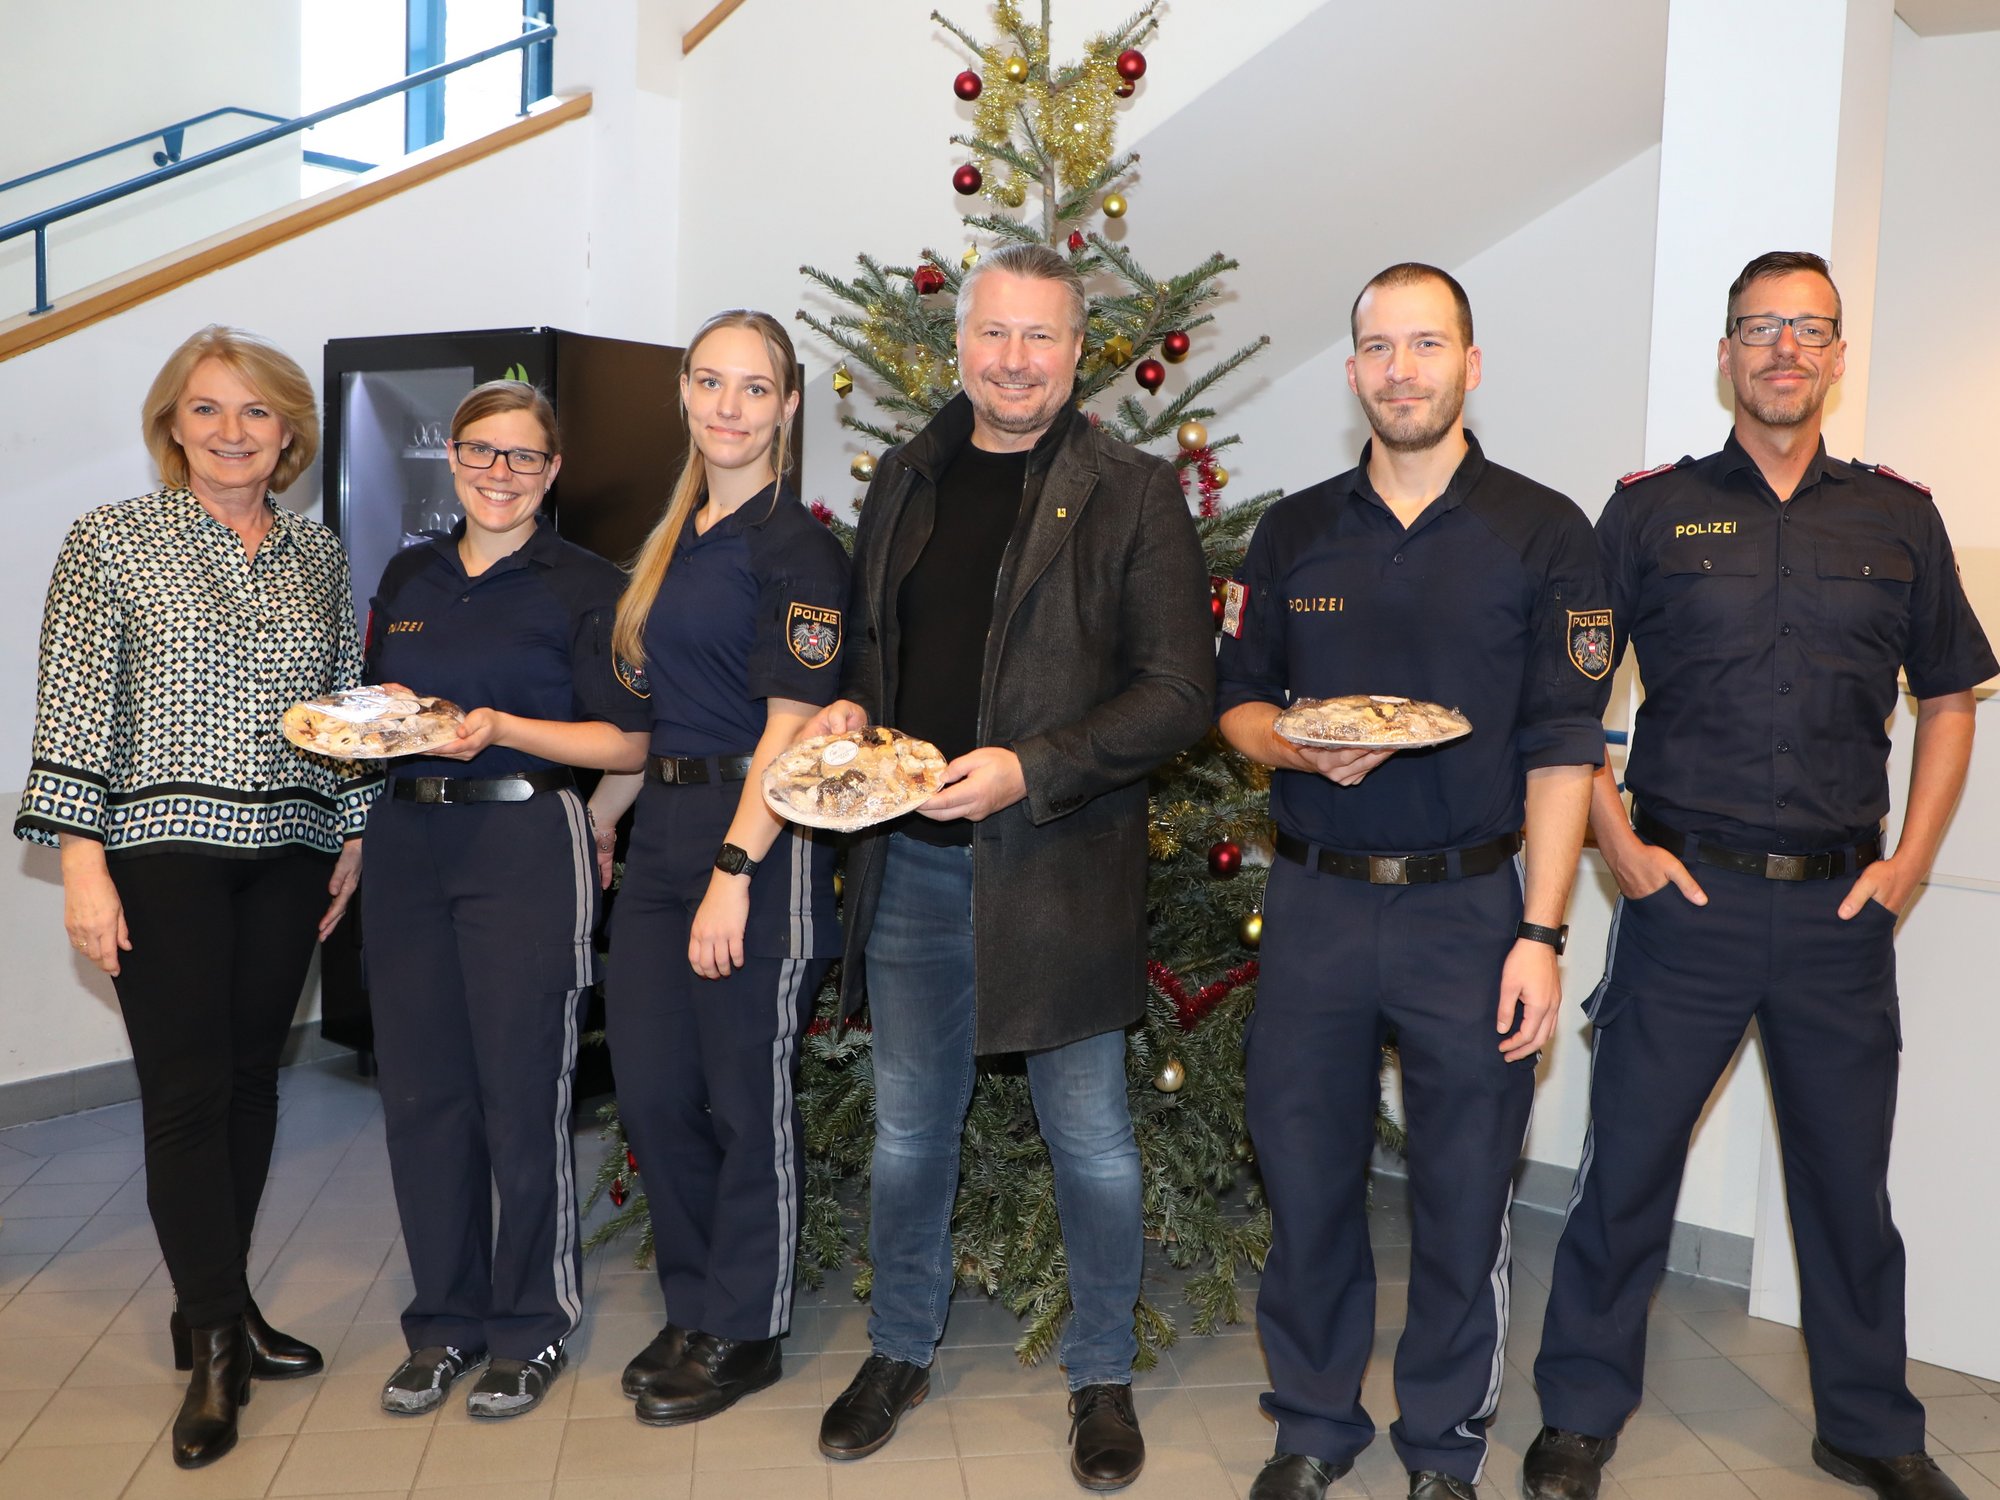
(1772, 138)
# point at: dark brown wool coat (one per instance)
(1099, 666)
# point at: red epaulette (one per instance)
(1888, 473)
(1638, 474)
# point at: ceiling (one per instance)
(1943, 17)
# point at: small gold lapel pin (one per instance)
(1061, 514)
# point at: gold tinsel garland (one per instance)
(1074, 125)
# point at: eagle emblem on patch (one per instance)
(1590, 642)
(812, 633)
(633, 678)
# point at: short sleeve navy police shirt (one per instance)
(750, 609)
(1769, 635)
(529, 636)
(1491, 603)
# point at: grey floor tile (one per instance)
(79, 1132)
(1965, 1424)
(1695, 1385)
(56, 1200)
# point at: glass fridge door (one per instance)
(395, 487)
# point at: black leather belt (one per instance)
(1825, 865)
(698, 770)
(518, 787)
(1403, 869)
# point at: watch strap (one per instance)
(1556, 937)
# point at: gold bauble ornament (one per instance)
(1114, 205)
(1016, 69)
(1170, 1077)
(1251, 929)
(1191, 435)
(971, 257)
(863, 467)
(842, 381)
(1221, 476)
(1244, 1150)
(1118, 349)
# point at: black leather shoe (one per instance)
(205, 1426)
(1294, 1476)
(656, 1358)
(864, 1416)
(1908, 1476)
(711, 1375)
(1429, 1484)
(1106, 1451)
(273, 1355)
(1565, 1465)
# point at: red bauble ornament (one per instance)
(618, 1194)
(927, 278)
(1175, 346)
(1075, 241)
(967, 179)
(1151, 374)
(1124, 90)
(1225, 859)
(967, 85)
(1131, 65)
(1215, 613)
(631, 1162)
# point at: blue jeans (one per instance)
(920, 997)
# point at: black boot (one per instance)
(711, 1375)
(205, 1427)
(273, 1355)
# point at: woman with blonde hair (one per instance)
(480, 908)
(201, 853)
(724, 925)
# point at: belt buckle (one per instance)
(1388, 869)
(1784, 867)
(432, 789)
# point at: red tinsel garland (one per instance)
(1189, 1009)
(1202, 461)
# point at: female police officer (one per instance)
(479, 905)
(724, 923)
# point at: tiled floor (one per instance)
(87, 1387)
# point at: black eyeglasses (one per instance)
(1759, 330)
(520, 460)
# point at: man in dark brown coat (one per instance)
(1029, 595)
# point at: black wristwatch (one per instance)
(1556, 937)
(734, 861)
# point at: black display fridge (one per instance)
(389, 402)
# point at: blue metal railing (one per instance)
(169, 166)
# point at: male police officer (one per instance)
(1029, 594)
(1773, 593)
(1426, 572)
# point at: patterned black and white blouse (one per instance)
(168, 659)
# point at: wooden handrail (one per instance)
(698, 33)
(114, 295)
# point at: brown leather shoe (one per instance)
(1907, 1476)
(1106, 1450)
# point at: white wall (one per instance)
(88, 73)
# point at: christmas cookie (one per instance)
(853, 780)
(1370, 721)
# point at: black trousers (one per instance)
(219, 953)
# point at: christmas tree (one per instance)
(1043, 156)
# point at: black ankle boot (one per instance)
(273, 1355)
(205, 1427)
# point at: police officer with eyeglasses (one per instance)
(1773, 595)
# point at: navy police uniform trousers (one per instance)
(1681, 984)
(479, 919)
(706, 1067)
(1343, 964)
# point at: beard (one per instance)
(1019, 419)
(1417, 429)
(1778, 409)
